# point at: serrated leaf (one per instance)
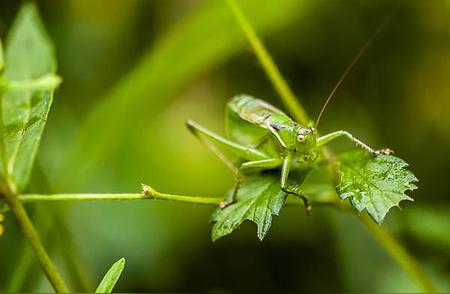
(29, 57)
(112, 276)
(258, 199)
(374, 184)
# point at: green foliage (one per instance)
(258, 199)
(27, 94)
(374, 183)
(111, 277)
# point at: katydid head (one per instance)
(306, 138)
(294, 136)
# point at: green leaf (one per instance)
(29, 74)
(110, 279)
(258, 199)
(374, 183)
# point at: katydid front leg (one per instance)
(285, 169)
(332, 136)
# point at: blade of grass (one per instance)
(112, 276)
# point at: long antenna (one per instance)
(349, 67)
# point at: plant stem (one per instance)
(213, 201)
(399, 253)
(269, 66)
(33, 239)
(125, 196)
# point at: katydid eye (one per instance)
(301, 138)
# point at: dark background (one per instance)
(134, 71)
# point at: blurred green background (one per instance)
(135, 70)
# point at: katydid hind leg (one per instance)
(285, 169)
(211, 139)
(264, 164)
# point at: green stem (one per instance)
(151, 195)
(269, 66)
(399, 253)
(33, 239)
(125, 196)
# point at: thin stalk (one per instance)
(125, 196)
(213, 201)
(33, 239)
(399, 253)
(269, 66)
(392, 246)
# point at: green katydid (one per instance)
(263, 137)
